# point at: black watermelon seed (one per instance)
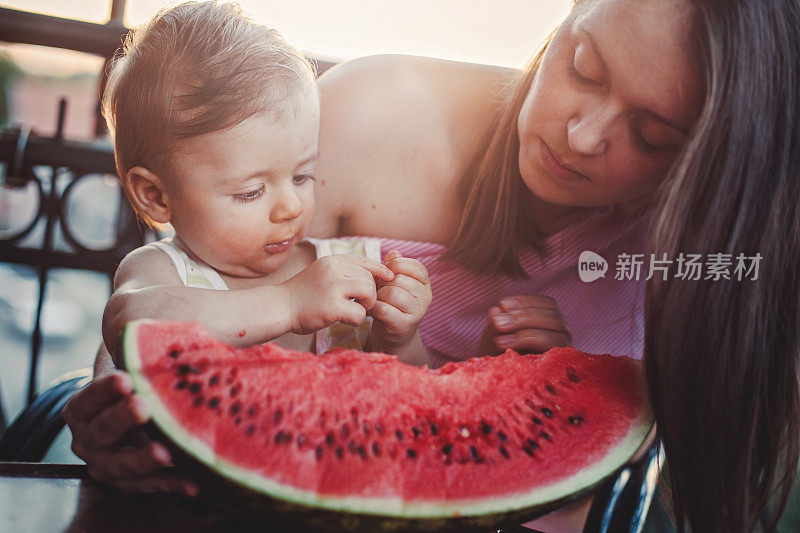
(183, 369)
(174, 353)
(530, 404)
(351, 447)
(537, 421)
(447, 448)
(547, 412)
(502, 436)
(235, 391)
(434, 429)
(549, 388)
(238, 420)
(329, 438)
(339, 452)
(411, 453)
(575, 420)
(527, 450)
(572, 374)
(486, 428)
(504, 452)
(399, 434)
(366, 428)
(181, 384)
(362, 452)
(376, 449)
(415, 431)
(213, 403)
(345, 431)
(301, 440)
(214, 380)
(198, 401)
(252, 411)
(279, 437)
(195, 388)
(379, 429)
(532, 443)
(474, 452)
(546, 436)
(249, 430)
(277, 415)
(235, 408)
(318, 452)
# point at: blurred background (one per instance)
(34, 80)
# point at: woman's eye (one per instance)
(581, 79)
(249, 196)
(302, 178)
(642, 144)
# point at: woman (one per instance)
(631, 104)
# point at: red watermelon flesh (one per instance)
(366, 433)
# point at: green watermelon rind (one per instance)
(538, 498)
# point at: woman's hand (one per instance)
(334, 288)
(100, 416)
(527, 324)
(401, 303)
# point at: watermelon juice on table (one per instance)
(362, 440)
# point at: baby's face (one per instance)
(242, 198)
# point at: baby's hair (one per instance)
(193, 69)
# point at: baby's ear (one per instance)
(148, 195)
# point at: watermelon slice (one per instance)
(363, 435)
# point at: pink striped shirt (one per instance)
(603, 316)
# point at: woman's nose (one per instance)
(287, 205)
(587, 133)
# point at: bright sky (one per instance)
(501, 32)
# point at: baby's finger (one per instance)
(114, 422)
(386, 313)
(378, 270)
(352, 313)
(407, 283)
(529, 318)
(409, 267)
(362, 290)
(397, 297)
(532, 340)
(522, 301)
(96, 397)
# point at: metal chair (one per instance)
(29, 436)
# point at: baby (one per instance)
(215, 122)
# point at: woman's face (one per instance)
(615, 96)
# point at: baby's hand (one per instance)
(401, 303)
(527, 324)
(335, 288)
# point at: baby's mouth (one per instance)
(278, 247)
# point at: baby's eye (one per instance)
(249, 196)
(302, 178)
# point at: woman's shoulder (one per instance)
(372, 88)
(395, 128)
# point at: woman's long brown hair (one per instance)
(722, 356)
(496, 219)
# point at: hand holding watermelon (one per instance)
(100, 416)
(336, 288)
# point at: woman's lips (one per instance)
(555, 168)
(279, 247)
